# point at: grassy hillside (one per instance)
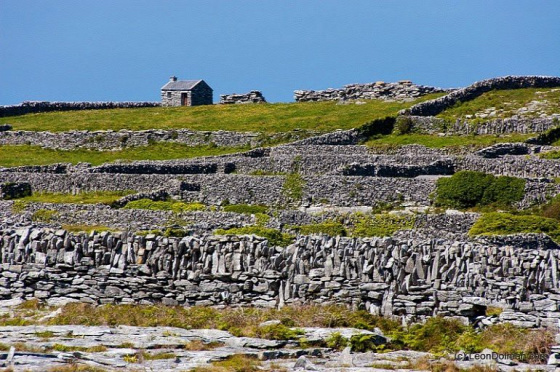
(529, 102)
(267, 118)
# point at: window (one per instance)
(168, 94)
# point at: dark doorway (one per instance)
(185, 101)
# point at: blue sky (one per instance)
(120, 50)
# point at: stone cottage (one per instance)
(186, 93)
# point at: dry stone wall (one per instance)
(432, 125)
(29, 107)
(410, 275)
(436, 106)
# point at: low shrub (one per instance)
(403, 125)
(279, 332)
(337, 341)
(466, 189)
(496, 223)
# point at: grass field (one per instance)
(16, 155)
(506, 103)
(266, 118)
(435, 141)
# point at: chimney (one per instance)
(173, 78)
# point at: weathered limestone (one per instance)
(403, 90)
(28, 107)
(253, 96)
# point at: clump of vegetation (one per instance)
(379, 224)
(279, 332)
(467, 189)
(44, 215)
(496, 223)
(246, 208)
(337, 341)
(293, 186)
(403, 125)
(19, 206)
(274, 237)
(168, 205)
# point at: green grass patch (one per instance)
(435, 141)
(18, 155)
(496, 223)
(466, 189)
(246, 208)
(44, 215)
(90, 197)
(274, 237)
(293, 186)
(506, 103)
(169, 205)
(552, 155)
(365, 225)
(269, 118)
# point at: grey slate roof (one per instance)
(180, 85)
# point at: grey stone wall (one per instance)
(402, 90)
(170, 98)
(432, 125)
(253, 96)
(410, 275)
(435, 106)
(111, 140)
(29, 107)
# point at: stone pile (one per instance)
(403, 90)
(253, 96)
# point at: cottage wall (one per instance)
(201, 95)
(170, 98)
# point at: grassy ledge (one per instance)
(18, 155)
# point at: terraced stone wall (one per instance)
(29, 107)
(216, 188)
(109, 140)
(409, 275)
(436, 106)
(432, 125)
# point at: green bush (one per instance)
(168, 205)
(273, 236)
(403, 125)
(245, 208)
(468, 189)
(363, 343)
(331, 228)
(505, 224)
(504, 191)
